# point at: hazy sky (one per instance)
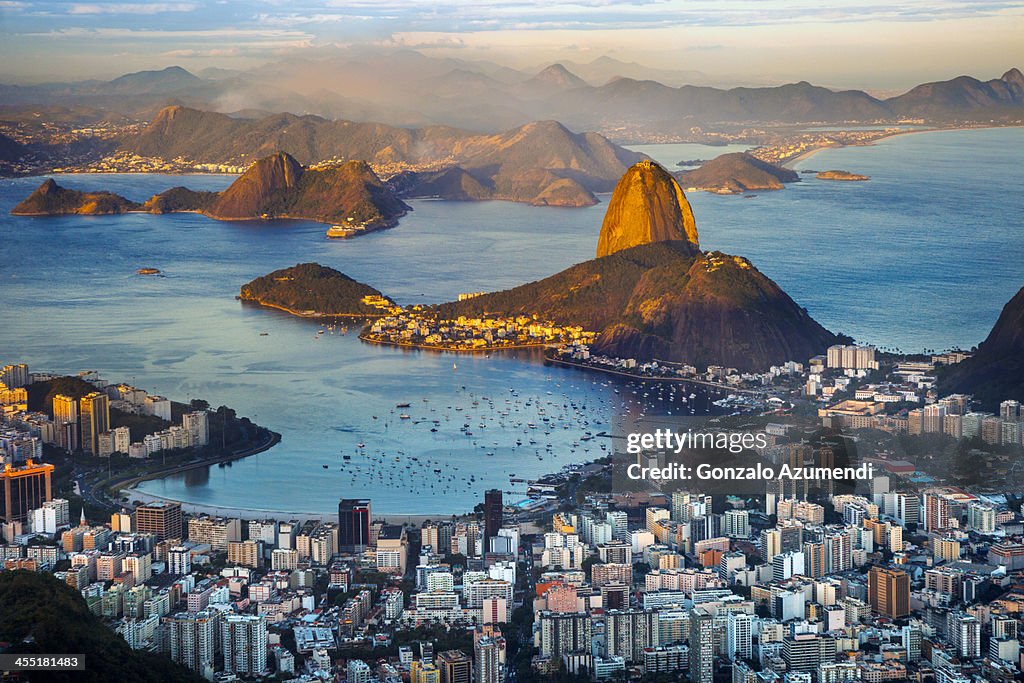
(882, 45)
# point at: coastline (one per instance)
(788, 163)
(310, 314)
(445, 349)
(619, 373)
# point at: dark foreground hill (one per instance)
(996, 372)
(41, 615)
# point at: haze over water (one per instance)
(924, 255)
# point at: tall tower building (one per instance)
(95, 412)
(354, 525)
(486, 661)
(244, 640)
(493, 513)
(24, 488)
(702, 646)
(889, 592)
(65, 415)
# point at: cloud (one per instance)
(133, 8)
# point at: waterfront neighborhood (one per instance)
(906, 575)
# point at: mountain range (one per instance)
(407, 88)
(541, 162)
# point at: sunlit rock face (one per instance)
(648, 205)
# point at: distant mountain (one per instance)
(540, 163)
(309, 289)
(276, 186)
(635, 101)
(961, 96)
(996, 372)
(41, 615)
(737, 172)
(557, 77)
(647, 206)
(50, 199)
(171, 79)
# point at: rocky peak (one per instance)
(648, 205)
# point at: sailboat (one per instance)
(454, 367)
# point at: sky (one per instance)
(840, 43)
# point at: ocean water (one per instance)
(922, 256)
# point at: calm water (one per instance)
(923, 255)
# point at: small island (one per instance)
(310, 290)
(736, 173)
(840, 175)
(148, 271)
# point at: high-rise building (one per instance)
(197, 424)
(179, 560)
(493, 513)
(246, 553)
(65, 416)
(964, 634)
(244, 640)
(24, 488)
(564, 633)
(739, 635)
(95, 415)
(629, 632)
(193, 640)
(889, 592)
(163, 520)
(702, 646)
(736, 523)
(487, 667)
(455, 666)
(354, 525)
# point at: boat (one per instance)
(403, 405)
(403, 416)
(264, 334)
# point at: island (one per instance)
(148, 271)
(310, 290)
(274, 187)
(50, 199)
(736, 173)
(840, 175)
